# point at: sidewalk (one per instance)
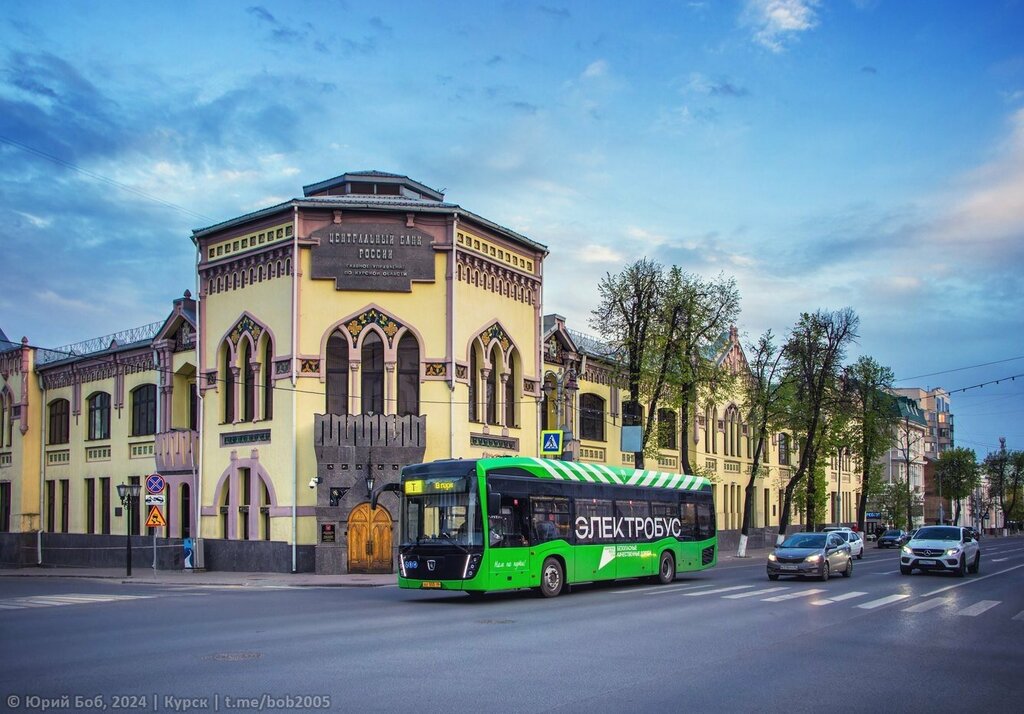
(206, 578)
(212, 578)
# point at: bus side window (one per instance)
(705, 521)
(509, 529)
(688, 517)
(550, 518)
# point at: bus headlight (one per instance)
(472, 563)
(401, 565)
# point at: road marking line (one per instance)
(662, 590)
(998, 560)
(979, 607)
(838, 598)
(1018, 616)
(754, 593)
(793, 596)
(882, 601)
(972, 581)
(719, 590)
(928, 604)
(887, 572)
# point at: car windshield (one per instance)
(890, 533)
(938, 533)
(805, 540)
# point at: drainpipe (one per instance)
(42, 467)
(295, 339)
(453, 284)
(196, 498)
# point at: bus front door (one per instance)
(510, 545)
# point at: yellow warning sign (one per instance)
(156, 518)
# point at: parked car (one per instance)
(941, 548)
(856, 542)
(811, 554)
(892, 538)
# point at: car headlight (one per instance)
(953, 551)
(813, 558)
(906, 550)
(771, 557)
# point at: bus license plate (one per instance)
(926, 562)
(431, 584)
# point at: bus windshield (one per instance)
(441, 511)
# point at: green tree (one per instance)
(813, 353)
(957, 474)
(702, 313)
(873, 427)
(626, 317)
(764, 394)
(896, 502)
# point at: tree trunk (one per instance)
(784, 516)
(684, 444)
(748, 498)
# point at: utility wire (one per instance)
(960, 369)
(100, 177)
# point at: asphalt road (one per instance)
(724, 640)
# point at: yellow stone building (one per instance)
(333, 338)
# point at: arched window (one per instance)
(732, 431)
(60, 413)
(372, 379)
(144, 410)
(783, 449)
(474, 375)
(248, 383)
(512, 389)
(337, 374)
(185, 510)
(227, 377)
(268, 379)
(667, 429)
(549, 405)
(408, 376)
(591, 417)
(711, 430)
(99, 416)
(493, 382)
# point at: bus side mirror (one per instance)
(493, 503)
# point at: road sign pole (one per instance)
(154, 550)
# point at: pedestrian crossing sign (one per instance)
(551, 443)
(156, 518)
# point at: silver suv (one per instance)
(942, 548)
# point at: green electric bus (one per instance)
(480, 525)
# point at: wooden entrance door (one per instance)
(369, 540)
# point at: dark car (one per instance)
(892, 538)
(811, 554)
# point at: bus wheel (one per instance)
(551, 578)
(666, 568)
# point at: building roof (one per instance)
(6, 344)
(422, 200)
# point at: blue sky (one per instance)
(856, 153)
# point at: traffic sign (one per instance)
(155, 499)
(551, 442)
(155, 484)
(156, 518)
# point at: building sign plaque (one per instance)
(373, 256)
(488, 441)
(327, 532)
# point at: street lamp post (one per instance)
(129, 495)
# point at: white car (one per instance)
(944, 548)
(856, 543)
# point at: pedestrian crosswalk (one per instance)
(24, 603)
(821, 597)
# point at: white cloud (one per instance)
(774, 22)
(36, 221)
(52, 299)
(598, 68)
(987, 215)
(599, 254)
